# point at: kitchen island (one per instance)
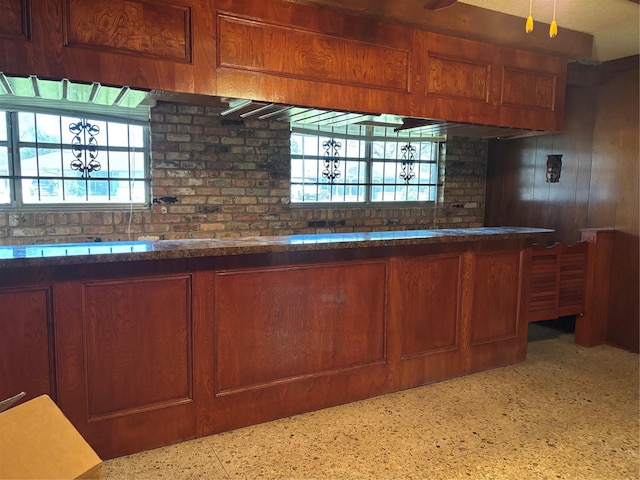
(142, 344)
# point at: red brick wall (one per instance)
(218, 178)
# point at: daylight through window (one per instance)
(68, 159)
(358, 164)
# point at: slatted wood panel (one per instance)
(558, 281)
(544, 283)
(573, 279)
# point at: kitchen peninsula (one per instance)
(143, 344)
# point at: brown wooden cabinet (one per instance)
(276, 51)
(145, 353)
(165, 45)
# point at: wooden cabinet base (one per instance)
(151, 353)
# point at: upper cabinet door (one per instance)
(532, 90)
(285, 53)
(154, 44)
(458, 79)
(16, 21)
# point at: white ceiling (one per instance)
(614, 24)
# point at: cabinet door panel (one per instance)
(142, 323)
(498, 315)
(297, 53)
(298, 338)
(431, 326)
(152, 29)
(496, 297)
(26, 353)
(125, 360)
(16, 19)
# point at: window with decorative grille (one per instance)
(362, 164)
(58, 158)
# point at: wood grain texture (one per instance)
(319, 58)
(558, 281)
(591, 328)
(532, 89)
(456, 77)
(125, 361)
(309, 55)
(528, 89)
(573, 279)
(598, 187)
(27, 361)
(544, 283)
(495, 310)
(157, 29)
(466, 21)
(16, 19)
(517, 192)
(297, 322)
(294, 339)
(127, 323)
(497, 314)
(614, 195)
(154, 352)
(431, 320)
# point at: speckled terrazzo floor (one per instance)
(567, 412)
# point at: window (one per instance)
(359, 164)
(68, 159)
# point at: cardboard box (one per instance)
(38, 441)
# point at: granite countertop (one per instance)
(102, 252)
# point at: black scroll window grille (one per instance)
(408, 161)
(331, 160)
(84, 147)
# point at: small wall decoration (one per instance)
(554, 168)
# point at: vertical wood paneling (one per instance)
(516, 175)
(616, 151)
(598, 186)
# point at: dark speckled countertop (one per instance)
(78, 253)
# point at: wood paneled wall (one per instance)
(598, 187)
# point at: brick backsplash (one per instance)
(213, 177)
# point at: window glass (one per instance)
(63, 159)
(5, 193)
(361, 164)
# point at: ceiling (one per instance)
(614, 24)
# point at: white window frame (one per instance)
(366, 136)
(15, 176)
